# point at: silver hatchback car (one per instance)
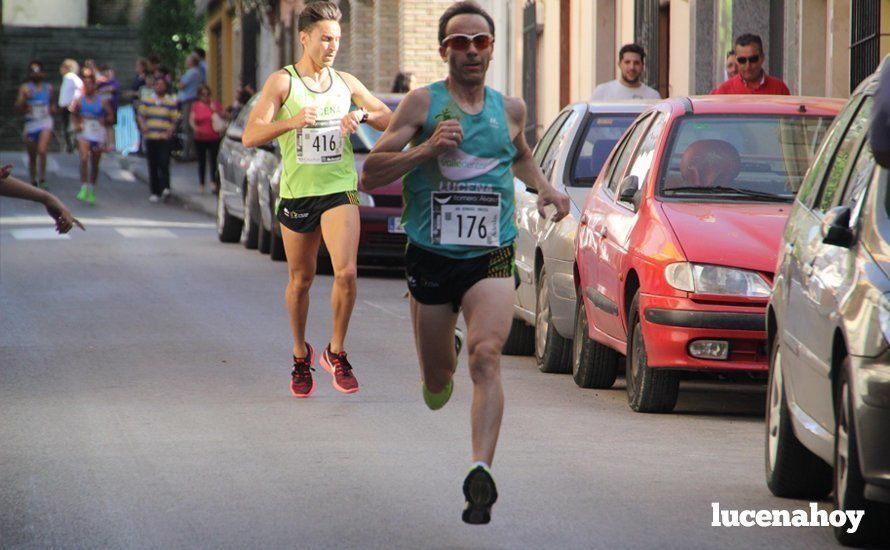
(570, 154)
(828, 328)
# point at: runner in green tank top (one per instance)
(458, 192)
(306, 106)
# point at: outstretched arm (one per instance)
(14, 187)
(388, 161)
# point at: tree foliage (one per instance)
(170, 29)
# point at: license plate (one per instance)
(395, 225)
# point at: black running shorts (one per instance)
(434, 279)
(303, 215)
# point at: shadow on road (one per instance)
(717, 398)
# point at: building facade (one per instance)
(566, 47)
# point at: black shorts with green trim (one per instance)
(434, 279)
(303, 215)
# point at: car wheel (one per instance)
(593, 364)
(521, 340)
(276, 248)
(250, 228)
(792, 471)
(648, 390)
(228, 227)
(552, 351)
(264, 240)
(849, 486)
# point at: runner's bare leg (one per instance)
(340, 227)
(434, 338)
(302, 252)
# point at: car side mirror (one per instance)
(629, 191)
(836, 228)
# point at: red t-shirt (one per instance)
(768, 86)
(203, 120)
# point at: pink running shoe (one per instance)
(339, 367)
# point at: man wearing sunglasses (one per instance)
(751, 78)
(467, 144)
(306, 106)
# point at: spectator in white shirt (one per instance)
(631, 61)
(71, 90)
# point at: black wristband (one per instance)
(364, 117)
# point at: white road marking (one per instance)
(385, 310)
(145, 233)
(38, 234)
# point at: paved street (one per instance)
(144, 402)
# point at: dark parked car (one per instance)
(828, 328)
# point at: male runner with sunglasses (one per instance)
(751, 78)
(458, 215)
(307, 107)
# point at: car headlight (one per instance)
(364, 199)
(714, 279)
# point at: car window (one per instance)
(241, 119)
(628, 148)
(545, 142)
(740, 157)
(842, 157)
(860, 176)
(642, 160)
(600, 137)
(559, 140)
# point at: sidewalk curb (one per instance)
(182, 200)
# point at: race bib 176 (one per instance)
(465, 218)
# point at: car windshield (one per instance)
(603, 133)
(732, 157)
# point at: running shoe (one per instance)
(165, 195)
(91, 197)
(436, 401)
(338, 366)
(154, 198)
(43, 184)
(481, 494)
(82, 196)
(301, 383)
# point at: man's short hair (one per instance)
(201, 53)
(632, 48)
(748, 39)
(460, 8)
(730, 53)
(314, 12)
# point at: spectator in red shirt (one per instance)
(751, 78)
(207, 137)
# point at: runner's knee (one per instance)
(346, 276)
(484, 360)
(300, 281)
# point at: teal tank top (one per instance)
(461, 204)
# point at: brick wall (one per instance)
(361, 42)
(418, 39)
(386, 45)
(18, 45)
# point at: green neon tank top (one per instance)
(316, 160)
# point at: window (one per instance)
(600, 137)
(627, 149)
(559, 140)
(645, 154)
(809, 186)
(545, 142)
(860, 176)
(739, 157)
(241, 120)
(841, 158)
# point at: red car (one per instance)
(679, 237)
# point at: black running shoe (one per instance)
(481, 494)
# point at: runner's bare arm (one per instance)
(21, 100)
(260, 125)
(388, 161)
(109, 112)
(77, 120)
(524, 166)
(379, 114)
